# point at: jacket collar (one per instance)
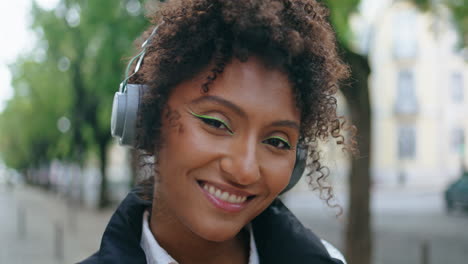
(120, 243)
(281, 238)
(121, 240)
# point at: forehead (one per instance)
(250, 85)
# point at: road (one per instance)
(403, 223)
(43, 228)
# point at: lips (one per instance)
(225, 198)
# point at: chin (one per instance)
(217, 231)
(219, 234)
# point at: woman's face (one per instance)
(227, 153)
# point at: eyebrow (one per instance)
(221, 101)
(286, 123)
(239, 111)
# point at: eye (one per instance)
(213, 122)
(277, 142)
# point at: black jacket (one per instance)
(279, 236)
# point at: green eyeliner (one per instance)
(282, 139)
(213, 118)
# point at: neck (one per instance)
(187, 247)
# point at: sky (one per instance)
(14, 24)
(14, 28)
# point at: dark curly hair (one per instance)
(291, 35)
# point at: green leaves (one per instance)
(458, 10)
(340, 13)
(73, 71)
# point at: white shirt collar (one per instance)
(155, 254)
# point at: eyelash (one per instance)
(281, 140)
(214, 122)
(217, 123)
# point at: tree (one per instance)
(358, 230)
(86, 41)
(93, 36)
(29, 122)
(358, 247)
(458, 10)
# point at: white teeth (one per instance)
(225, 196)
(241, 199)
(232, 198)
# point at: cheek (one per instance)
(277, 174)
(186, 147)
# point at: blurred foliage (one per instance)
(76, 66)
(458, 10)
(28, 124)
(423, 4)
(73, 72)
(340, 13)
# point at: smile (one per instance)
(225, 196)
(224, 199)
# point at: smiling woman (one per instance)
(231, 140)
(228, 94)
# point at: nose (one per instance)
(241, 163)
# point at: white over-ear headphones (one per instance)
(125, 113)
(127, 101)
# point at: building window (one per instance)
(405, 34)
(406, 102)
(457, 87)
(458, 140)
(406, 142)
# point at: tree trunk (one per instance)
(358, 230)
(103, 194)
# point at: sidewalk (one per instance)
(43, 228)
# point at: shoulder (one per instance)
(333, 251)
(120, 242)
(277, 224)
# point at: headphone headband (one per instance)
(140, 56)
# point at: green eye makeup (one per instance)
(218, 123)
(282, 140)
(213, 121)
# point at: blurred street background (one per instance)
(43, 228)
(403, 196)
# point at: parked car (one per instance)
(456, 195)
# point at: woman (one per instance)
(230, 89)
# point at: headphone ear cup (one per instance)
(299, 168)
(118, 114)
(125, 113)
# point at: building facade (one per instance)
(418, 89)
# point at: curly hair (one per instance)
(291, 35)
